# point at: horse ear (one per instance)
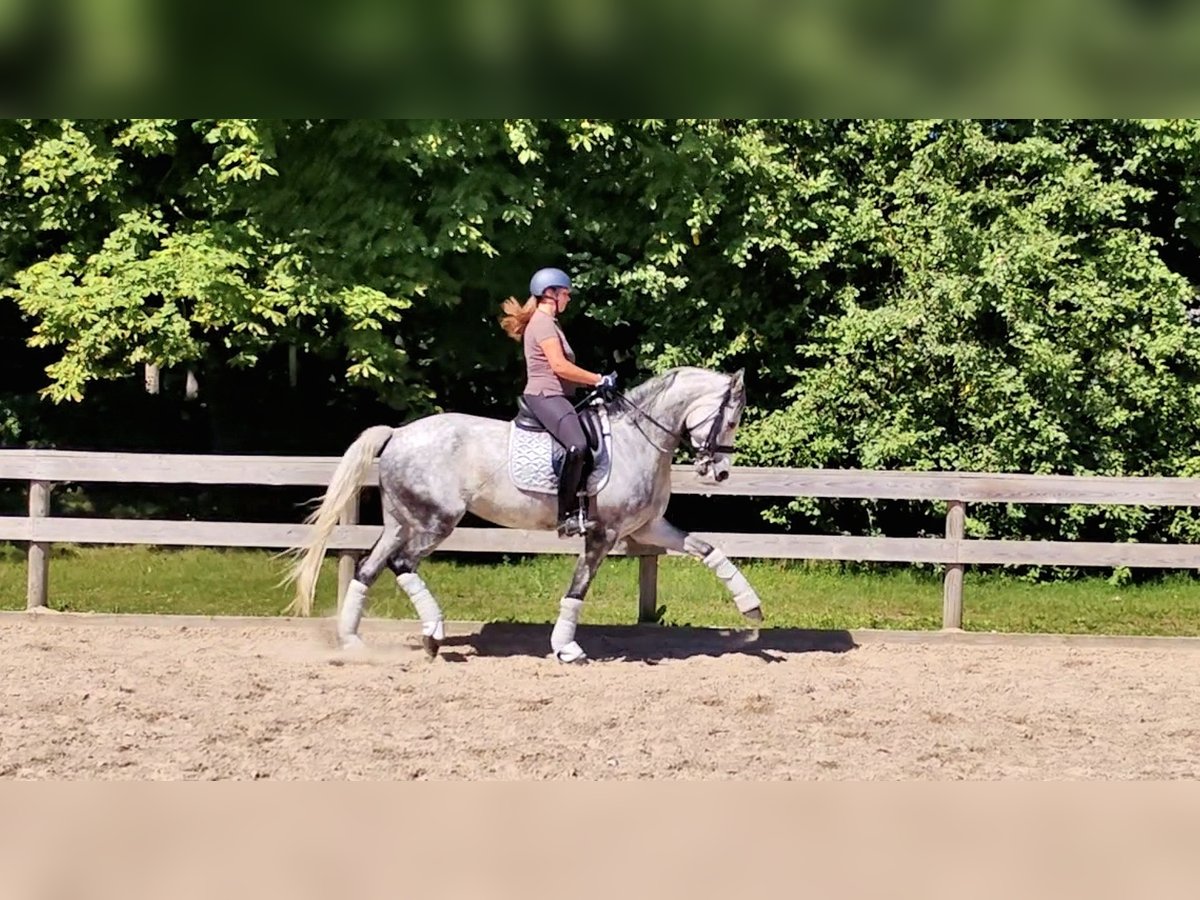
(738, 380)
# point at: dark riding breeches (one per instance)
(558, 417)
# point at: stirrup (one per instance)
(575, 525)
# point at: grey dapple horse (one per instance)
(434, 470)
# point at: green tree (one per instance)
(981, 295)
(1029, 326)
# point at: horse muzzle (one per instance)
(716, 469)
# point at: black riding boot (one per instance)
(571, 520)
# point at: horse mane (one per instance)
(644, 393)
(651, 387)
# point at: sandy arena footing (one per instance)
(111, 697)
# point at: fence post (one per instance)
(347, 559)
(648, 588)
(39, 552)
(956, 514)
(647, 557)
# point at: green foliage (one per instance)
(1026, 326)
(155, 243)
(973, 295)
(10, 424)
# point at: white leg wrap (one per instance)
(744, 596)
(427, 608)
(562, 638)
(351, 614)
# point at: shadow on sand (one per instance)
(651, 644)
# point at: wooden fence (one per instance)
(44, 468)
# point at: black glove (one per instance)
(608, 385)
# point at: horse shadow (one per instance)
(651, 644)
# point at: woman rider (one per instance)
(551, 376)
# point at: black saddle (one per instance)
(589, 418)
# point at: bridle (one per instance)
(709, 446)
(706, 448)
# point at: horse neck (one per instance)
(668, 406)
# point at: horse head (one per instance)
(712, 421)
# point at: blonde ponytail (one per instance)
(517, 316)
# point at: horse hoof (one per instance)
(432, 646)
(352, 643)
(754, 615)
(572, 653)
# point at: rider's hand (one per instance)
(607, 383)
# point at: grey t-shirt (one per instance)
(540, 377)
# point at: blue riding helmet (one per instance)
(544, 279)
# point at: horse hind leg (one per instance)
(354, 603)
(404, 562)
(394, 552)
(433, 630)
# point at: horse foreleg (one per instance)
(661, 533)
(596, 546)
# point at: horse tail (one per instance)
(343, 487)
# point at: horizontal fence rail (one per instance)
(315, 471)
(42, 469)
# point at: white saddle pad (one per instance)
(529, 460)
